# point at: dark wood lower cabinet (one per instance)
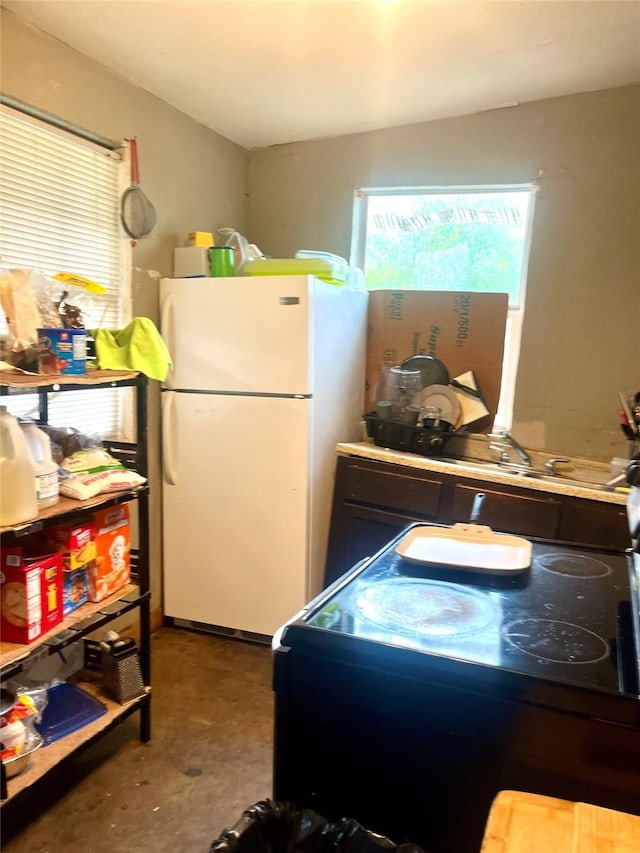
(510, 512)
(375, 500)
(591, 522)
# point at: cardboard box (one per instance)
(75, 542)
(62, 351)
(75, 589)
(463, 330)
(112, 567)
(30, 595)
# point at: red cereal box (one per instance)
(30, 595)
(76, 543)
(112, 568)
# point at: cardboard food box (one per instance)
(62, 351)
(112, 567)
(30, 595)
(75, 542)
(200, 239)
(465, 331)
(75, 589)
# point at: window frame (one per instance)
(515, 313)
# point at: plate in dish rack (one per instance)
(444, 399)
(473, 547)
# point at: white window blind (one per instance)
(59, 212)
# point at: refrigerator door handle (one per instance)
(168, 437)
(167, 327)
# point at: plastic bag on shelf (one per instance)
(23, 317)
(87, 473)
(66, 441)
(243, 250)
(32, 300)
(18, 733)
(271, 827)
(75, 301)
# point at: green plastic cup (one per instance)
(221, 261)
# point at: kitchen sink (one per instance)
(572, 481)
(520, 472)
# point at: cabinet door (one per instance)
(372, 502)
(594, 523)
(364, 532)
(418, 493)
(509, 512)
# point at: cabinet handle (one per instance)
(476, 507)
(168, 437)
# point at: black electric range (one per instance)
(557, 621)
(408, 695)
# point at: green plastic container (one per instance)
(321, 268)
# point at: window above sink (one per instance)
(456, 238)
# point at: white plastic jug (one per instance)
(18, 495)
(47, 484)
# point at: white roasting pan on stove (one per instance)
(473, 547)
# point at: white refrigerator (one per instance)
(268, 376)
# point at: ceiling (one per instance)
(262, 72)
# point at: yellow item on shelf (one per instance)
(80, 281)
(201, 239)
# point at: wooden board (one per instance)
(530, 823)
(22, 379)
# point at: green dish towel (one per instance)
(139, 346)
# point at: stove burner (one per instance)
(574, 565)
(558, 642)
(425, 607)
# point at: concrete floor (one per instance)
(210, 756)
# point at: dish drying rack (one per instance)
(426, 441)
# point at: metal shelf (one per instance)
(15, 658)
(66, 508)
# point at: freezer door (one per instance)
(235, 509)
(238, 334)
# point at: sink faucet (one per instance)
(506, 438)
(550, 464)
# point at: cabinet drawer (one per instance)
(419, 496)
(509, 512)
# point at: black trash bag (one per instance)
(347, 836)
(269, 827)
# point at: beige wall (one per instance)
(195, 178)
(581, 339)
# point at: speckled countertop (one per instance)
(368, 450)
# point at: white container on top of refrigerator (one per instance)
(268, 377)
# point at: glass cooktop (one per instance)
(557, 620)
